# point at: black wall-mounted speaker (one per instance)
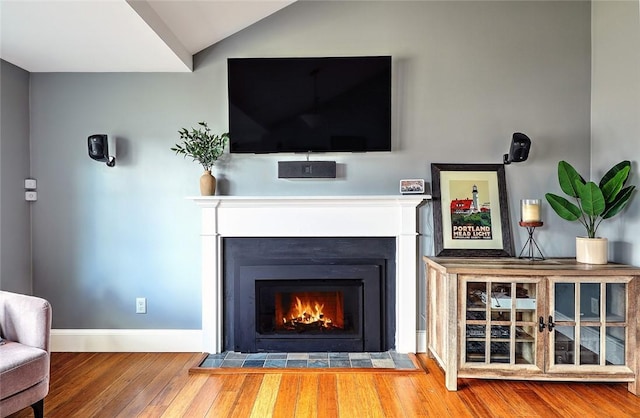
(102, 148)
(519, 150)
(98, 147)
(306, 169)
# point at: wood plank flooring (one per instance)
(159, 385)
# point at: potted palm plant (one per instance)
(204, 147)
(594, 204)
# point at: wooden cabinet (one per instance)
(546, 320)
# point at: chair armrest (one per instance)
(25, 319)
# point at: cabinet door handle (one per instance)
(541, 324)
(551, 324)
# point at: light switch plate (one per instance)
(30, 183)
(141, 305)
(30, 196)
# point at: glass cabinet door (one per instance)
(588, 322)
(500, 322)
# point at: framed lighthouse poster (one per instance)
(470, 210)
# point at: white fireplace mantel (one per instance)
(310, 216)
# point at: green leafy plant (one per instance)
(594, 202)
(201, 144)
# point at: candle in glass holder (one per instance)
(530, 210)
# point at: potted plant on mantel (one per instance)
(595, 203)
(204, 147)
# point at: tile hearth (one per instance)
(378, 360)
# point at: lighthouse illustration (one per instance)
(474, 204)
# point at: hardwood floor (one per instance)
(159, 385)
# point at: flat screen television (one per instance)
(340, 104)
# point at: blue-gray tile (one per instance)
(298, 356)
(361, 363)
(253, 363)
(232, 363)
(339, 363)
(296, 364)
(380, 356)
(359, 356)
(398, 356)
(257, 356)
(318, 363)
(386, 363)
(217, 355)
(279, 364)
(318, 356)
(211, 362)
(339, 356)
(235, 356)
(277, 356)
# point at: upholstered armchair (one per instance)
(25, 328)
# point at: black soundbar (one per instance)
(306, 169)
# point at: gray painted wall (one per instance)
(15, 222)
(615, 114)
(466, 76)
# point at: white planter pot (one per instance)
(592, 250)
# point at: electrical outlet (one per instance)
(30, 184)
(141, 305)
(30, 196)
(594, 306)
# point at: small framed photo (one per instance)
(412, 186)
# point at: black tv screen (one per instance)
(340, 104)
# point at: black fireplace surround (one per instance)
(342, 289)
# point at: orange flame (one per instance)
(311, 310)
(304, 313)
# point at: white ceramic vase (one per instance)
(592, 250)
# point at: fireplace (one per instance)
(247, 217)
(309, 294)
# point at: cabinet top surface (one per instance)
(551, 266)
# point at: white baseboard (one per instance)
(126, 340)
(421, 338)
(144, 340)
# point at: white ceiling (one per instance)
(120, 35)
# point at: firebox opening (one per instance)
(308, 307)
